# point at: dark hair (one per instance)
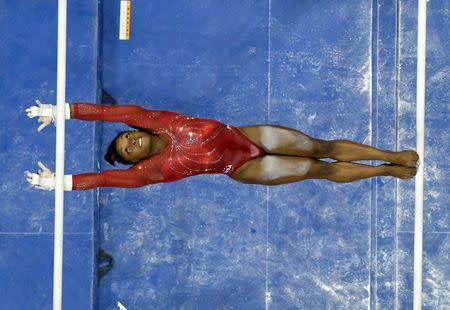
(112, 155)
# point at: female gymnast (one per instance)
(168, 146)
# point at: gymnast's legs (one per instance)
(278, 140)
(275, 170)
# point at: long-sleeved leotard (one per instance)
(196, 146)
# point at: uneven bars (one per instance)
(420, 144)
(60, 139)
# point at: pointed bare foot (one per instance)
(408, 158)
(401, 172)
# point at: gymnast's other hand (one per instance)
(45, 112)
(44, 179)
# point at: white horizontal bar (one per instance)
(420, 141)
(60, 139)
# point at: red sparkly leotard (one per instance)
(196, 146)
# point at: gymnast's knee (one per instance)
(321, 170)
(323, 148)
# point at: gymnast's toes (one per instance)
(409, 158)
(402, 172)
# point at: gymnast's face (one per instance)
(134, 146)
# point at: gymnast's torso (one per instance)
(198, 146)
(195, 146)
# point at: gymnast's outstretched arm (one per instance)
(125, 178)
(132, 115)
